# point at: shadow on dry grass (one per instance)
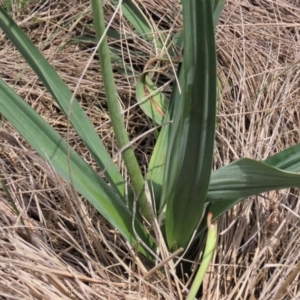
(70, 251)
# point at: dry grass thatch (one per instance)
(68, 251)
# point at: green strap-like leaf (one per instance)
(69, 165)
(141, 24)
(245, 177)
(211, 242)
(191, 144)
(217, 7)
(287, 160)
(156, 169)
(157, 162)
(63, 96)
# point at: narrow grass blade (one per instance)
(211, 242)
(141, 24)
(63, 96)
(218, 6)
(191, 145)
(115, 54)
(116, 116)
(69, 165)
(156, 169)
(136, 18)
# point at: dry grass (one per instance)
(69, 251)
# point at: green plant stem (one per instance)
(207, 256)
(128, 155)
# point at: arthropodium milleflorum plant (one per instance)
(182, 186)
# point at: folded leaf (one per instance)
(246, 177)
(191, 142)
(156, 104)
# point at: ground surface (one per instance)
(68, 255)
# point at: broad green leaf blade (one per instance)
(157, 163)
(231, 184)
(69, 165)
(288, 160)
(156, 104)
(191, 145)
(63, 96)
(218, 6)
(116, 116)
(246, 177)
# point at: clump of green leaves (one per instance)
(182, 187)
